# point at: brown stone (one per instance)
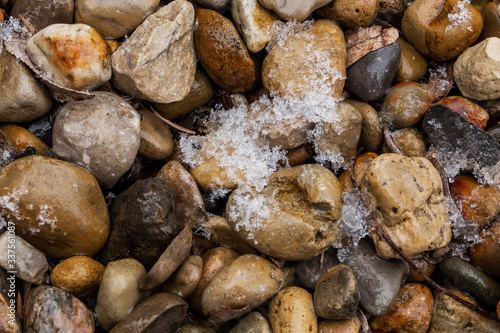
(409, 141)
(413, 65)
(80, 275)
(253, 322)
(371, 128)
(62, 216)
(346, 182)
(464, 107)
(351, 325)
(186, 278)
(9, 320)
(351, 14)
(298, 155)
(293, 10)
(156, 140)
(222, 52)
(22, 139)
(218, 229)
(491, 16)
(361, 42)
(44, 13)
(361, 164)
(410, 312)
(485, 254)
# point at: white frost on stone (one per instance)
(10, 201)
(46, 217)
(459, 15)
(10, 28)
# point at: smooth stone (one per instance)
(413, 65)
(309, 271)
(336, 294)
(370, 77)
(424, 266)
(186, 278)
(119, 291)
(158, 61)
(102, 134)
(218, 5)
(9, 322)
(62, 216)
(491, 17)
(409, 141)
(293, 10)
(201, 93)
(470, 279)
(23, 139)
(80, 275)
(44, 13)
(23, 97)
(144, 222)
(410, 312)
(219, 229)
(293, 218)
(405, 195)
(254, 22)
(470, 110)
(351, 14)
(238, 288)
(254, 322)
(189, 203)
(379, 280)
(73, 56)
(441, 30)
(361, 164)
(222, 52)
(371, 129)
(477, 70)
(42, 305)
(156, 139)
(194, 328)
(485, 254)
(307, 61)
(29, 263)
(292, 310)
(162, 312)
(113, 19)
(351, 325)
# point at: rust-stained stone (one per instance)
(22, 139)
(222, 52)
(485, 254)
(9, 322)
(464, 107)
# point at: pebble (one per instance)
(113, 19)
(466, 108)
(30, 263)
(485, 254)
(371, 128)
(219, 229)
(426, 267)
(476, 71)
(9, 322)
(413, 65)
(214, 4)
(144, 222)
(80, 275)
(158, 61)
(194, 328)
(361, 164)
(370, 77)
(186, 278)
(44, 302)
(61, 216)
(119, 291)
(379, 280)
(102, 134)
(222, 52)
(351, 325)
(253, 322)
(405, 195)
(491, 16)
(293, 10)
(351, 14)
(309, 271)
(410, 312)
(23, 139)
(409, 141)
(156, 140)
(23, 97)
(73, 56)
(44, 13)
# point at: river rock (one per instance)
(9, 319)
(113, 19)
(44, 302)
(379, 280)
(351, 14)
(253, 322)
(73, 56)
(309, 271)
(293, 218)
(371, 76)
(477, 70)
(441, 30)
(119, 291)
(336, 294)
(156, 140)
(161, 312)
(409, 141)
(22, 139)
(62, 216)
(293, 10)
(413, 65)
(44, 13)
(219, 230)
(186, 278)
(80, 275)
(371, 128)
(144, 222)
(471, 111)
(23, 97)
(214, 4)
(158, 61)
(101, 134)
(29, 264)
(222, 52)
(491, 16)
(351, 325)
(405, 195)
(194, 328)
(410, 312)
(307, 61)
(239, 287)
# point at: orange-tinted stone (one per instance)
(22, 139)
(485, 254)
(361, 164)
(464, 107)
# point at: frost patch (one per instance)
(459, 15)
(10, 28)
(10, 201)
(46, 217)
(283, 30)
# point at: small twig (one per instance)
(364, 321)
(390, 142)
(172, 124)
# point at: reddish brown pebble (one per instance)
(464, 107)
(485, 254)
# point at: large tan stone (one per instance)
(293, 10)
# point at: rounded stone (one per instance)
(44, 13)
(485, 254)
(351, 14)
(491, 16)
(218, 229)
(293, 10)
(80, 275)
(351, 325)
(22, 139)
(309, 271)
(101, 134)
(73, 56)
(409, 141)
(113, 19)
(253, 322)
(156, 139)
(222, 52)
(413, 65)
(62, 216)
(371, 128)
(186, 278)
(466, 108)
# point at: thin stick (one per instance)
(172, 124)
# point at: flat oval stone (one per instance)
(253, 322)
(371, 76)
(22, 139)
(409, 141)
(485, 254)
(222, 52)
(44, 13)
(62, 216)
(80, 275)
(413, 65)
(45, 301)
(186, 278)
(293, 10)
(371, 128)
(156, 139)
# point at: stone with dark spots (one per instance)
(51, 309)
(144, 222)
(371, 76)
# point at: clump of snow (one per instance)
(459, 16)
(10, 28)
(283, 30)
(10, 201)
(46, 217)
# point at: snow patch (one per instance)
(459, 16)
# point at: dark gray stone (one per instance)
(309, 271)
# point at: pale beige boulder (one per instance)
(293, 10)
